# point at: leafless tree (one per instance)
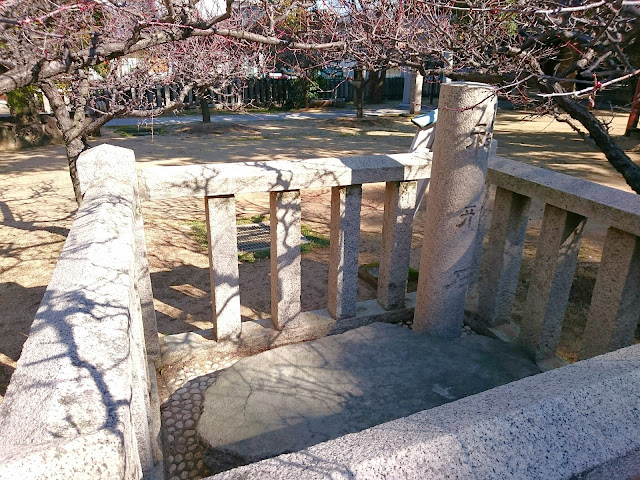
(556, 55)
(88, 55)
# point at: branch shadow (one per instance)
(288, 399)
(20, 304)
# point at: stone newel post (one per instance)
(460, 154)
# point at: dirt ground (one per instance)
(37, 206)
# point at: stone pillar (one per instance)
(344, 249)
(285, 257)
(478, 245)
(399, 202)
(406, 89)
(615, 303)
(501, 260)
(416, 92)
(158, 97)
(460, 156)
(551, 279)
(222, 237)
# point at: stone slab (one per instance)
(82, 371)
(579, 421)
(99, 455)
(296, 396)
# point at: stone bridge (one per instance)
(83, 401)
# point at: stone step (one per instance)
(295, 396)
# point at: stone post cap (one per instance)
(106, 161)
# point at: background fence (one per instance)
(289, 92)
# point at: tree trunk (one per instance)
(203, 96)
(305, 92)
(72, 140)
(358, 92)
(75, 147)
(416, 92)
(615, 155)
(376, 84)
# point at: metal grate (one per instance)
(254, 237)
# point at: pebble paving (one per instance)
(180, 412)
(181, 409)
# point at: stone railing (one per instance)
(439, 302)
(219, 184)
(569, 203)
(83, 400)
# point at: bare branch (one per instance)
(588, 91)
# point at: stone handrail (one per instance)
(468, 123)
(158, 183)
(614, 207)
(569, 203)
(82, 402)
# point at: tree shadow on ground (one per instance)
(20, 305)
(183, 302)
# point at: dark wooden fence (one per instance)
(286, 91)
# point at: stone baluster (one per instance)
(460, 155)
(550, 284)
(399, 204)
(222, 237)
(615, 303)
(501, 259)
(285, 257)
(344, 249)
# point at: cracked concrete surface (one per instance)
(292, 397)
